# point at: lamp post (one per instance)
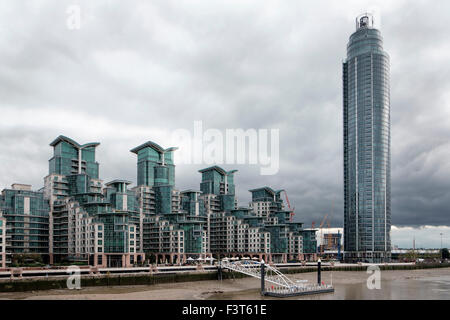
(441, 240)
(318, 272)
(263, 272)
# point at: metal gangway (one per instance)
(253, 269)
(267, 273)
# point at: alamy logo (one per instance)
(74, 280)
(374, 281)
(233, 146)
(73, 21)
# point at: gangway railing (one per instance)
(284, 287)
(253, 269)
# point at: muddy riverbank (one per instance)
(400, 284)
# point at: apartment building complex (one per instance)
(89, 221)
(76, 217)
(262, 230)
(2, 242)
(26, 218)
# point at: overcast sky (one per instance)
(138, 70)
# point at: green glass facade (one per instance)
(163, 197)
(115, 231)
(27, 221)
(215, 180)
(155, 165)
(69, 157)
(192, 204)
(367, 158)
(76, 217)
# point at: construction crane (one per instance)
(323, 221)
(321, 233)
(339, 245)
(291, 210)
(329, 236)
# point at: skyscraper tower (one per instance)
(367, 157)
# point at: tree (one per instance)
(445, 254)
(410, 255)
(23, 259)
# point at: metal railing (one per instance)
(253, 269)
(282, 285)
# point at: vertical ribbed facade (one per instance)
(366, 115)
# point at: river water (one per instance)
(394, 285)
(427, 288)
(403, 284)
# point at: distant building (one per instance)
(330, 239)
(367, 144)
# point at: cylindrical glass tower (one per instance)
(367, 158)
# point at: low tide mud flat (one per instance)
(398, 284)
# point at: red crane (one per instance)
(292, 213)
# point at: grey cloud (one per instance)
(164, 64)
